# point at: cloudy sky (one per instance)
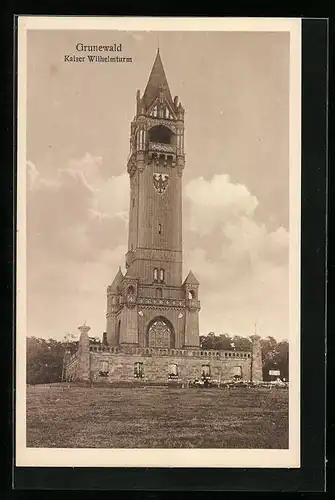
(234, 88)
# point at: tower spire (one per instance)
(157, 80)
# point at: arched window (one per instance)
(138, 370)
(173, 370)
(104, 366)
(162, 275)
(191, 294)
(160, 334)
(160, 134)
(155, 274)
(103, 369)
(130, 290)
(237, 372)
(154, 111)
(206, 371)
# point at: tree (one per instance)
(45, 357)
(44, 360)
(274, 354)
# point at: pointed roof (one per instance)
(156, 80)
(131, 274)
(191, 279)
(117, 280)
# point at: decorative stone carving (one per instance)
(159, 334)
(165, 123)
(131, 301)
(164, 255)
(162, 148)
(160, 182)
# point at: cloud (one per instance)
(77, 238)
(246, 276)
(112, 196)
(217, 200)
(89, 165)
(75, 213)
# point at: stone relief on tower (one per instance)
(161, 182)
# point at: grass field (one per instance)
(156, 417)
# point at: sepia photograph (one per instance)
(158, 242)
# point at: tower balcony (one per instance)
(161, 148)
(162, 154)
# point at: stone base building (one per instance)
(129, 363)
(152, 330)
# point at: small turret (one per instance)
(157, 84)
(256, 359)
(114, 288)
(138, 102)
(191, 287)
(191, 279)
(181, 112)
(84, 353)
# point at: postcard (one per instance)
(158, 264)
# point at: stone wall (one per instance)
(71, 368)
(117, 363)
(156, 368)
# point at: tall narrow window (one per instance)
(155, 274)
(155, 111)
(138, 370)
(173, 371)
(104, 366)
(159, 292)
(103, 369)
(162, 275)
(133, 202)
(206, 371)
(159, 228)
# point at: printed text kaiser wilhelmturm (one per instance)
(81, 47)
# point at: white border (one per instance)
(289, 458)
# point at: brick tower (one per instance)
(150, 306)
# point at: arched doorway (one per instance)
(160, 333)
